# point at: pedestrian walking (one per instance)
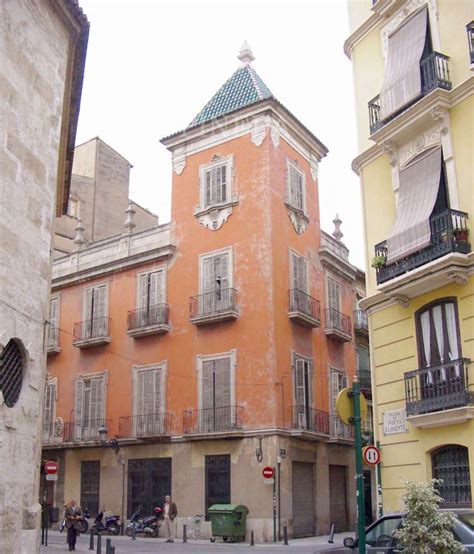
(73, 515)
(170, 511)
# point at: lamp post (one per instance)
(114, 444)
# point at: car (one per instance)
(380, 540)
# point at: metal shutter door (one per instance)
(303, 499)
(338, 497)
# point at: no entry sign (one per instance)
(268, 472)
(51, 468)
(371, 455)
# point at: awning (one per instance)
(402, 81)
(419, 184)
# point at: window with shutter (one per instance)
(96, 316)
(303, 383)
(215, 283)
(216, 413)
(49, 409)
(89, 407)
(296, 187)
(215, 185)
(53, 329)
(338, 382)
(151, 298)
(148, 408)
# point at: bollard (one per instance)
(134, 534)
(99, 543)
(112, 550)
(185, 538)
(285, 535)
(252, 541)
(108, 544)
(331, 533)
(91, 541)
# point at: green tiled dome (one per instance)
(244, 88)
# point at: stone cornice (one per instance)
(361, 32)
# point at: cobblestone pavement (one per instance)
(57, 544)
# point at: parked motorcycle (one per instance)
(147, 525)
(83, 523)
(110, 525)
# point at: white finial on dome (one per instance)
(246, 55)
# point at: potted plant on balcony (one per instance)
(461, 235)
(379, 261)
(447, 235)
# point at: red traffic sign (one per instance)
(51, 467)
(371, 455)
(268, 472)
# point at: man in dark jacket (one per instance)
(73, 515)
(170, 511)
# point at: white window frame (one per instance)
(104, 375)
(55, 297)
(84, 298)
(342, 374)
(156, 269)
(228, 161)
(292, 165)
(297, 356)
(293, 253)
(200, 359)
(328, 277)
(52, 382)
(230, 251)
(136, 369)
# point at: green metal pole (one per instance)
(379, 487)
(359, 469)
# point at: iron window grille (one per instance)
(451, 465)
(11, 373)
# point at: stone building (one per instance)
(42, 47)
(214, 345)
(99, 195)
(414, 87)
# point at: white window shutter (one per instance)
(310, 384)
(54, 312)
(100, 301)
(224, 271)
(78, 408)
(156, 288)
(207, 384)
(208, 281)
(208, 188)
(224, 180)
(143, 293)
(222, 381)
(334, 388)
(333, 294)
(50, 398)
(140, 393)
(157, 407)
(299, 382)
(95, 402)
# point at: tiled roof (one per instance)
(243, 88)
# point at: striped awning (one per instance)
(402, 81)
(419, 184)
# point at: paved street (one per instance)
(57, 544)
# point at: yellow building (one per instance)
(414, 92)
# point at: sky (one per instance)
(152, 65)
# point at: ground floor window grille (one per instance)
(90, 486)
(217, 480)
(149, 481)
(451, 464)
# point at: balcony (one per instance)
(449, 233)
(152, 320)
(304, 309)
(434, 74)
(308, 419)
(145, 426)
(339, 430)
(338, 326)
(361, 325)
(220, 420)
(213, 307)
(92, 332)
(439, 395)
(73, 432)
(53, 340)
(365, 381)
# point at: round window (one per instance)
(11, 373)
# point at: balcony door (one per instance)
(151, 298)
(338, 382)
(303, 381)
(95, 320)
(215, 284)
(439, 349)
(89, 408)
(299, 284)
(216, 412)
(49, 412)
(148, 403)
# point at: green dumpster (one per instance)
(228, 521)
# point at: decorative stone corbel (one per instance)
(259, 132)
(390, 149)
(459, 277)
(401, 299)
(439, 115)
(179, 162)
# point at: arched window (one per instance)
(451, 464)
(11, 372)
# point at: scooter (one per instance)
(146, 525)
(111, 524)
(83, 523)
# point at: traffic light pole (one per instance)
(359, 470)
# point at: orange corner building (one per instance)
(214, 345)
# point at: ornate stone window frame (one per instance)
(229, 250)
(215, 215)
(299, 217)
(200, 359)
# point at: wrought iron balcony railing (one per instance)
(85, 430)
(361, 324)
(365, 380)
(213, 306)
(144, 425)
(93, 331)
(308, 419)
(438, 388)
(48, 433)
(304, 309)
(338, 325)
(470, 39)
(212, 420)
(434, 73)
(449, 233)
(339, 430)
(149, 320)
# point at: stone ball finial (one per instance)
(246, 55)
(337, 233)
(130, 220)
(79, 240)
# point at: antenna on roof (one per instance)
(246, 55)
